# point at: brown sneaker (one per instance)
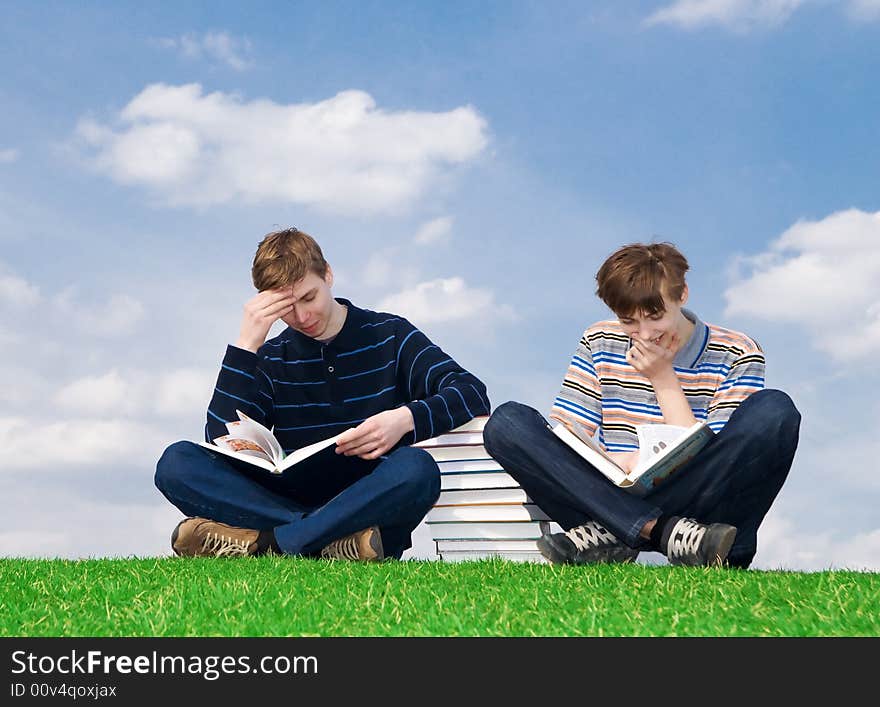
(200, 537)
(363, 545)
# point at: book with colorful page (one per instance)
(250, 442)
(663, 449)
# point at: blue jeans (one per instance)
(734, 479)
(311, 504)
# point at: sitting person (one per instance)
(656, 363)
(370, 377)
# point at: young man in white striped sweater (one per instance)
(656, 363)
(337, 369)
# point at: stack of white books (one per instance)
(482, 511)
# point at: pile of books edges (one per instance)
(482, 512)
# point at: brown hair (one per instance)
(286, 257)
(634, 278)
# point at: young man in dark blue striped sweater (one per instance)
(372, 378)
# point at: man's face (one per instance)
(657, 327)
(312, 306)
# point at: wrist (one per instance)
(406, 419)
(666, 380)
(247, 345)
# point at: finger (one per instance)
(348, 438)
(275, 310)
(362, 449)
(267, 308)
(380, 448)
(358, 436)
(353, 445)
(375, 454)
(267, 297)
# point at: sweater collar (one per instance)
(690, 353)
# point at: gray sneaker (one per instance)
(688, 542)
(585, 545)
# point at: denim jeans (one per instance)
(311, 504)
(734, 479)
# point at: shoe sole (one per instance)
(376, 545)
(615, 556)
(725, 542)
(550, 552)
(174, 536)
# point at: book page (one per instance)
(674, 457)
(591, 442)
(243, 446)
(305, 452)
(246, 428)
(252, 459)
(655, 439)
(594, 454)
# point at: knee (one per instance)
(419, 473)
(498, 433)
(781, 420)
(172, 465)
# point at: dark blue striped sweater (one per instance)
(309, 391)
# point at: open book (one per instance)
(249, 441)
(662, 450)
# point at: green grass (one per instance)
(276, 596)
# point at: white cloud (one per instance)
(184, 392)
(783, 544)
(118, 316)
(378, 269)
(437, 231)
(342, 153)
(446, 300)
(28, 443)
(29, 383)
(91, 529)
(737, 15)
(8, 156)
(821, 275)
(18, 292)
(746, 15)
(864, 10)
(216, 46)
(95, 394)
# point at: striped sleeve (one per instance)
(580, 400)
(242, 384)
(745, 377)
(442, 394)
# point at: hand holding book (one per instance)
(377, 434)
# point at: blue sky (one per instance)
(468, 164)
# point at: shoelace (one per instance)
(224, 545)
(685, 538)
(590, 535)
(344, 548)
